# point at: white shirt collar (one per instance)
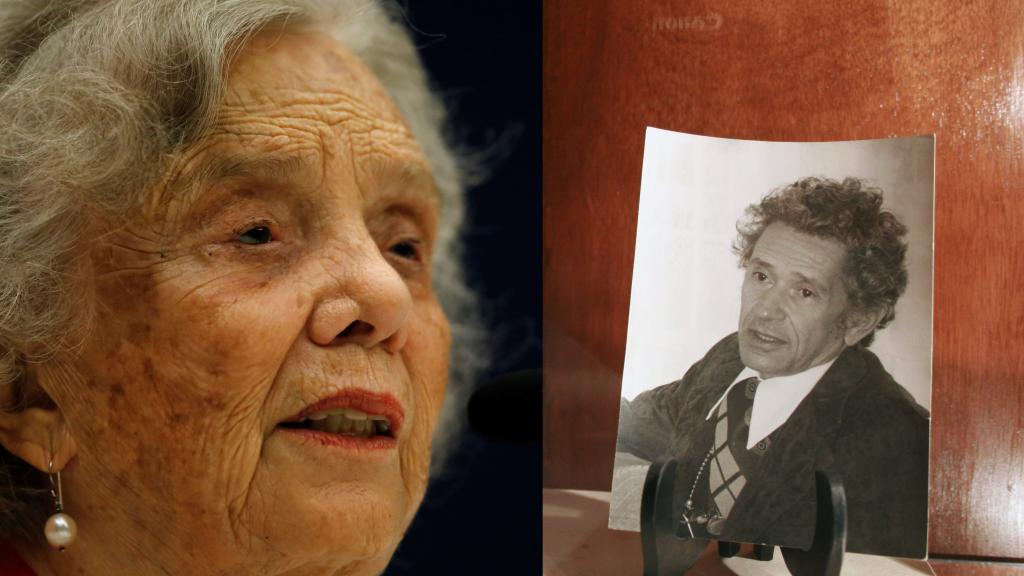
(775, 399)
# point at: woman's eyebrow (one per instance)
(305, 167)
(257, 167)
(192, 182)
(409, 179)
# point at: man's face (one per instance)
(793, 304)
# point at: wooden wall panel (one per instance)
(977, 569)
(796, 71)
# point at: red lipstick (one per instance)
(370, 403)
(363, 400)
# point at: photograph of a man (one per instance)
(796, 388)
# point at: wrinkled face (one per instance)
(793, 303)
(260, 389)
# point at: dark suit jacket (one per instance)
(857, 421)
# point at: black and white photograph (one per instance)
(780, 323)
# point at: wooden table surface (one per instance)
(796, 70)
(578, 542)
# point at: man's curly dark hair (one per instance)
(851, 212)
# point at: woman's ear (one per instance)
(32, 433)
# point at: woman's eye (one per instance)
(760, 276)
(255, 235)
(806, 293)
(407, 249)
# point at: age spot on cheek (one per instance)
(215, 402)
(116, 397)
(215, 370)
(115, 400)
(148, 370)
(138, 332)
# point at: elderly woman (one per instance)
(226, 230)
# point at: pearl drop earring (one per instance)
(60, 529)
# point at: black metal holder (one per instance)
(825, 556)
(667, 554)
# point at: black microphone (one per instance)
(508, 408)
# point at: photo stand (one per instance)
(665, 553)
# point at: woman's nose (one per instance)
(364, 301)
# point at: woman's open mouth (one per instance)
(355, 419)
(344, 421)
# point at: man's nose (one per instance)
(363, 300)
(770, 305)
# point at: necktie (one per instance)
(732, 425)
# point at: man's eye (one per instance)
(806, 293)
(407, 249)
(255, 235)
(760, 276)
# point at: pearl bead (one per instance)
(60, 530)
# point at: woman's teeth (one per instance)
(348, 421)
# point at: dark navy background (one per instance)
(484, 516)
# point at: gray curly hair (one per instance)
(97, 95)
(874, 269)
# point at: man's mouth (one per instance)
(765, 338)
